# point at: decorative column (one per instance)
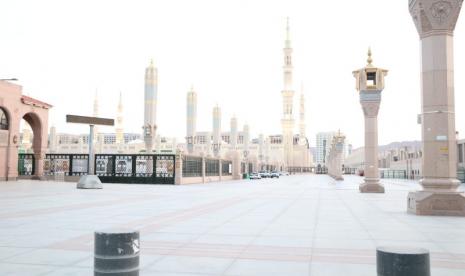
(233, 137)
(191, 120)
(217, 131)
(370, 84)
(435, 22)
(335, 156)
(150, 106)
(246, 147)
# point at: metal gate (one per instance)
(26, 164)
(137, 168)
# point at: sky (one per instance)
(62, 52)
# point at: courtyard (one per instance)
(294, 225)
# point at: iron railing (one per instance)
(26, 164)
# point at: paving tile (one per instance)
(204, 265)
(260, 267)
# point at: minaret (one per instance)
(233, 138)
(287, 121)
(246, 134)
(191, 119)
(95, 114)
(302, 114)
(216, 131)
(150, 106)
(119, 122)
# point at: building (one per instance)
(323, 145)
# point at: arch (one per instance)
(34, 120)
(4, 119)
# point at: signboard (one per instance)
(89, 120)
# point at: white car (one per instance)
(255, 176)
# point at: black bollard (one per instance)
(392, 261)
(116, 253)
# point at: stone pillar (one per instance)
(178, 168)
(236, 166)
(370, 84)
(335, 157)
(435, 22)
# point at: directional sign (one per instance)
(89, 120)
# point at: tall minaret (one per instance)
(302, 114)
(216, 131)
(287, 121)
(119, 122)
(95, 114)
(191, 119)
(233, 138)
(150, 106)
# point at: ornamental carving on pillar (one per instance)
(434, 16)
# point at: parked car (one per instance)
(274, 174)
(283, 173)
(255, 176)
(264, 174)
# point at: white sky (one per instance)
(62, 51)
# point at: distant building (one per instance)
(323, 144)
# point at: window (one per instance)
(371, 78)
(3, 120)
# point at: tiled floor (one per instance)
(295, 225)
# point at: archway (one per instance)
(39, 142)
(5, 122)
(13, 108)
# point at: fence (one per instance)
(26, 164)
(461, 174)
(398, 174)
(226, 167)
(191, 166)
(140, 168)
(212, 167)
(66, 164)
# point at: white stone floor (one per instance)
(295, 225)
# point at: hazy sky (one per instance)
(231, 51)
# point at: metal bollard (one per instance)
(392, 261)
(116, 252)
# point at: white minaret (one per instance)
(191, 119)
(119, 122)
(302, 114)
(150, 106)
(216, 131)
(288, 94)
(52, 147)
(233, 138)
(95, 114)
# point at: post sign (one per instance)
(89, 120)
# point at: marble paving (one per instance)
(294, 225)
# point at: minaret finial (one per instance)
(192, 87)
(151, 62)
(369, 60)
